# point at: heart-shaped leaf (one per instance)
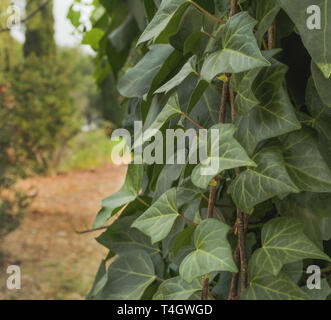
(212, 251)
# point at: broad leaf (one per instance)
(126, 194)
(265, 286)
(322, 84)
(310, 208)
(267, 180)
(317, 41)
(170, 110)
(137, 81)
(120, 237)
(165, 15)
(129, 276)
(212, 251)
(177, 289)
(319, 294)
(239, 49)
(274, 115)
(188, 68)
(305, 165)
(264, 12)
(158, 220)
(223, 152)
(284, 241)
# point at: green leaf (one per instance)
(305, 165)
(319, 120)
(239, 49)
(322, 84)
(158, 220)
(129, 276)
(225, 151)
(265, 286)
(120, 237)
(126, 194)
(170, 110)
(212, 251)
(74, 16)
(177, 289)
(183, 239)
(165, 15)
(93, 37)
(242, 83)
(318, 294)
(188, 68)
(267, 180)
(137, 81)
(310, 208)
(264, 12)
(317, 42)
(284, 241)
(99, 282)
(274, 116)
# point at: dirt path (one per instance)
(57, 263)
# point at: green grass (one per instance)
(87, 150)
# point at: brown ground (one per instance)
(56, 262)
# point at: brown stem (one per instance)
(233, 110)
(92, 230)
(207, 13)
(233, 295)
(225, 94)
(272, 36)
(143, 202)
(233, 9)
(192, 121)
(31, 15)
(188, 220)
(242, 249)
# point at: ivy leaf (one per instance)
(188, 68)
(284, 241)
(264, 12)
(239, 49)
(177, 289)
(304, 162)
(318, 294)
(264, 182)
(242, 84)
(158, 220)
(310, 208)
(230, 155)
(137, 81)
(265, 286)
(317, 42)
(319, 120)
(120, 237)
(322, 84)
(170, 110)
(274, 116)
(165, 15)
(99, 282)
(212, 251)
(128, 193)
(129, 276)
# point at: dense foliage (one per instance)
(256, 72)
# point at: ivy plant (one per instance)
(259, 73)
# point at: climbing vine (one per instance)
(256, 72)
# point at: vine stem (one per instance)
(272, 36)
(192, 121)
(222, 117)
(207, 13)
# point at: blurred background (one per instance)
(54, 150)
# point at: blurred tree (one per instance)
(39, 35)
